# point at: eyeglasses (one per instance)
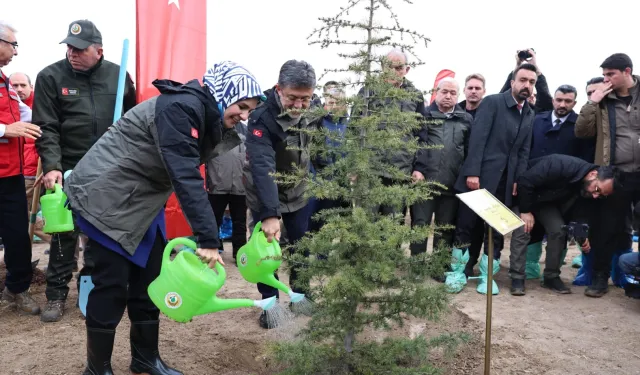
(14, 44)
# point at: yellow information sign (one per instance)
(491, 210)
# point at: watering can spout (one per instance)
(271, 280)
(220, 304)
(216, 304)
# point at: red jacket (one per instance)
(30, 153)
(11, 157)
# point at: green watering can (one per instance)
(258, 261)
(186, 287)
(57, 216)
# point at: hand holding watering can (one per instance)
(209, 257)
(186, 287)
(271, 228)
(259, 258)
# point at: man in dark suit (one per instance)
(499, 151)
(553, 131)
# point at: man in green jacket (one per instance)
(74, 103)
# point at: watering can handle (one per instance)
(192, 249)
(173, 243)
(56, 188)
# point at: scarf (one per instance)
(229, 83)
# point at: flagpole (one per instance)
(121, 81)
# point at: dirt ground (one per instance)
(541, 333)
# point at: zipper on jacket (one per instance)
(93, 111)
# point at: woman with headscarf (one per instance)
(118, 192)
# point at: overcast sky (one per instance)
(571, 37)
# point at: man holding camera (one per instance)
(540, 98)
(554, 191)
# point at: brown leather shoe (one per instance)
(53, 311)
(7, 301)
(22, 302)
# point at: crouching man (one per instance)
(555, 190)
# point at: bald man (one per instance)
(396, 60)
(22, 84)
(447, 125)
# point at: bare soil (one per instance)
(540, 333)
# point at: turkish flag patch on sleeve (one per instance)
(257, 133)
(194, 133)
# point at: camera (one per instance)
(525, 55)
(577, 231)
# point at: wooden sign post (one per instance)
(502, 219)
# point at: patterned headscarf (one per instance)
(229, 82)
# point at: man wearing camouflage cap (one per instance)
(74, 103)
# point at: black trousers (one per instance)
(296, 224)
(62, 261)
(319, 205)
(552, 217)
(238, 209)
(445, 208)
(611, 230)
(120, 284)
(385, 209)
(14, 230)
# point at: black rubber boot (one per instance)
(99, 349)
(145, 358)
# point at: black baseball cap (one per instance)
(82, 34)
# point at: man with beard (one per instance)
(553, 131)
(499, 147)
(540, 98)
(612, 115)
(473, 92)
(554, 191)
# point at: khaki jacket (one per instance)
(593, 121)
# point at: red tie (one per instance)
(519, 107)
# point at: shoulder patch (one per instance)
(194, 133)
(257, 133)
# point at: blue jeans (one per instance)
(630, 264)
(296, 223)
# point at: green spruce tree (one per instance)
(360, 272)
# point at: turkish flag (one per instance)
(442, 74)
(171, 43)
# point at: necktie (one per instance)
(519, 107)
(556, 123)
